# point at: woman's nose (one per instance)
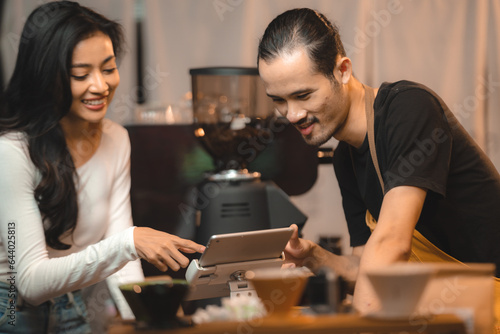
(99, 84)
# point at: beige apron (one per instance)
(422, 250)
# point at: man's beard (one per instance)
(318, 138)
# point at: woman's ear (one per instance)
(343, 70)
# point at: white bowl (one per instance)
(399, 288)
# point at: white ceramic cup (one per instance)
(399, 288)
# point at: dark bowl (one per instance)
(155, 302)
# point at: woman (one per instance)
(65, 218)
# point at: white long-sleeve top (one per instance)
(102, 243)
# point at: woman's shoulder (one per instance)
(113, 129)
(14, 141)
(14, 151)
(114, 132)
(114, 137)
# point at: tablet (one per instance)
(245, 246)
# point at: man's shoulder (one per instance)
(389, 90)
(406, 96)
(401, 85)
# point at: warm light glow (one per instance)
(169, 115)
(223, 99)
(199, 132)
(211, 109)
(249, 274)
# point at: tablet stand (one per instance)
(223, 280)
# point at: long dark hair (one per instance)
(39, 95)
(303, 27)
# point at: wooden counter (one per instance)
(336, 324)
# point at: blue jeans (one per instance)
(64, 314)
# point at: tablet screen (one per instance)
(245, 246)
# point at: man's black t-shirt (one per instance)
(420, 143)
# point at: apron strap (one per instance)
(370, 124)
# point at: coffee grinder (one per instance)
(234, 121)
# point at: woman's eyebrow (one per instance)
(80, 65)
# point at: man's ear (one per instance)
(343, 70)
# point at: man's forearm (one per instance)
(390, 242)
(365, 299)
(346, 266)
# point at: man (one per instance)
(435, 181)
